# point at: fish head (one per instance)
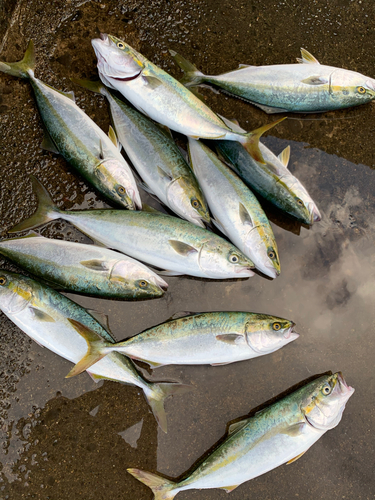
(222, 260)
(302, 205)
(139, 278)
(15, 292)
(261, 246)
(266, 334)
(116, 59)
(325, 401)
(118, 183)
(187, 200)
(351, 87)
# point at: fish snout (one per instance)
(370, 84)
(314, 212)
(290, 334)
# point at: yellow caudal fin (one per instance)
(21, 68)
(250, 140)
(96, 348)
(161, 487)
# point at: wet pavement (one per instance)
(72, 438)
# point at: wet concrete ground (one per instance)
(72, 438)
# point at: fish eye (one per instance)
(143, 283)
(234, 259)
(327, 389)
(195, 203)
(271, 254)
(3, 280)
(361, 90)
(276, 327)
(299, 202)
(121, 190)
(120, 45)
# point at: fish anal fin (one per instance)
(307, 58)
(229, 338)
(315, 80)
(270, 110)
(284, 156)
(41, 315)
(295, 458)
(48, 144)
(245, 216)
(228, 489)
(236, 426)
(182, 248)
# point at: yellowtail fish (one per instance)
(161, 97)
(279, 434)
(309, 87)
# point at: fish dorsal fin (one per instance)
(112, 135)
(41, 315)
(315, 80)
(237, 426)
(48, 144)
(182, 314)
(163, 174)
(101, 318)
(229, 338)
(182, 248)
(95, 264)
(296, 458)
(284, 156)
(240, 66)
(245, 216)
(307, 58)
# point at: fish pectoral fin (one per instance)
(315, 80)
(48, 144)
(295, 430)
(296, 458)
(152, 82)
(228, 489)
(237, 426)
(95, 264)
(284, 156)
(182, 248)
(112, 135)
(245, 216)
(307, 58)
(95, 351)
(163, 174)
(229, 338)
(41, 315)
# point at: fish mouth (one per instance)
(371, 85)
(291, 334)
(271, 270)
(314, 212)
(346, 389)
(244, 269)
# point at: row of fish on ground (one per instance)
(283, 431)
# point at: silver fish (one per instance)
(279, 434)
(42, 313)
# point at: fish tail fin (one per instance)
(95, 86)
(250, 141)
(192, 76)
(161, 487)
(157, 394)
(97, 348)
(21, 68)
(45, 212)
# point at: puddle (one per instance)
(67, 437)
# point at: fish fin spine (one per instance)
(22, 68)
(192, 76)
(250, 141)
(307, 58)
(45, 212)
(161, 487)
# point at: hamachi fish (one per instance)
(172, 244)
(161, 97)
(83, 268)
(42, 313)
(70, 132)
(279, 434)
(309, 87)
